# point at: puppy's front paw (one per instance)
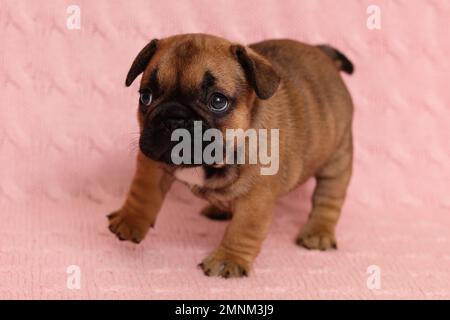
(317, 238)
(128, 227)
(223, 264)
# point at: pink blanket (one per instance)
(68, 136)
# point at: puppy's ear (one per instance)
(258, 71)
(141, 61)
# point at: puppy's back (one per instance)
(307, 67)
(318, 102)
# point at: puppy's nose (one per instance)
(173, 124)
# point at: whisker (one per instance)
(133, 146)
(199, 174)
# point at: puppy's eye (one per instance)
(146, 98)
(218, 102)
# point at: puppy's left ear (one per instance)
(258, 71)
(141, 61)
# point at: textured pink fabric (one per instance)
(68, 134)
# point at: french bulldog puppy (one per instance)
(274, 84)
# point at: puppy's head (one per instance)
(196, 77)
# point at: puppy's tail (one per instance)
(340, 60)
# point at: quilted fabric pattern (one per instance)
(68, 136)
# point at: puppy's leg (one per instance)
(143, 202)
(243, 237)
(214, 213)
(329, 194)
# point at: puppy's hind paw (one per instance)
(214, 213)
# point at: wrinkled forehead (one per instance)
(186, 65)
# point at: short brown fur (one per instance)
(313, 110)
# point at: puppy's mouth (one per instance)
(173, 135)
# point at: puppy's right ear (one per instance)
(258, 71)
(141, 61)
